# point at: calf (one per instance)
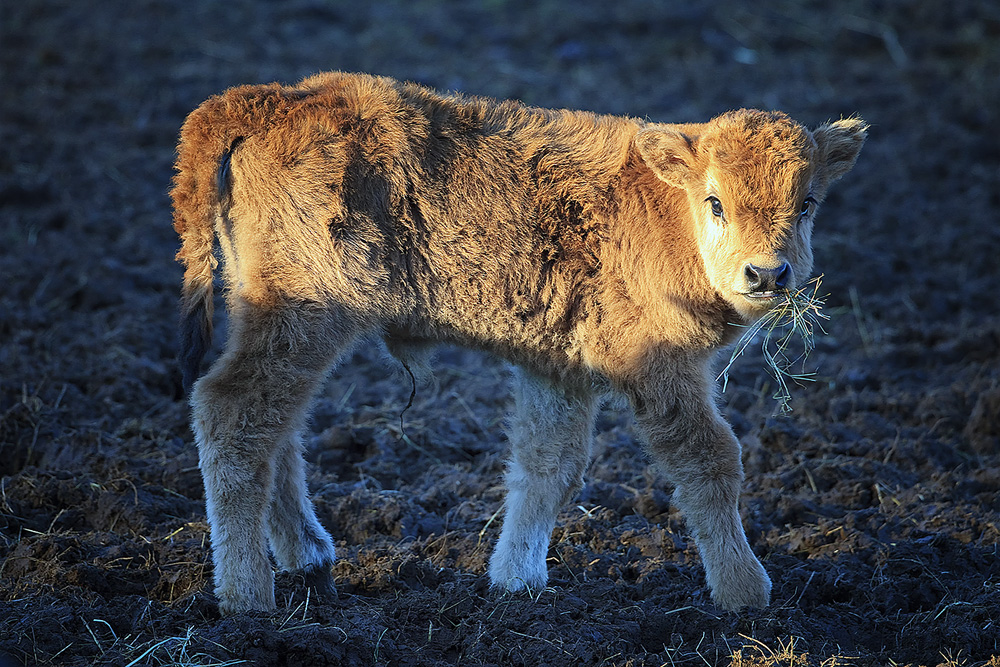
(598, 254)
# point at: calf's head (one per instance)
(753, 180)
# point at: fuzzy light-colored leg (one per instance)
(298, 540)
(709, 503)
(551, 435)
(246, 411)
(697, 450)
(236, 495)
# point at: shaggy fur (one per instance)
(597, 253)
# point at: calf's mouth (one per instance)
(765, 295)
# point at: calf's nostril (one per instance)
(784, 272)
(754, 278)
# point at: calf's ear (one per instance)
(670, 154)
(839, 144)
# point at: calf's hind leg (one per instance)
(247, 413)
(550, 434)
(298, 541)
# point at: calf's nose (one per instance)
(767, 280)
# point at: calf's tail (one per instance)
(200, 190)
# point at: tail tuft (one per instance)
(195, 338)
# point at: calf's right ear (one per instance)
(670, 154)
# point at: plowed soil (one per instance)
(874, 505)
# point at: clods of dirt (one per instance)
(874, 505)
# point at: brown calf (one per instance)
(598, 254)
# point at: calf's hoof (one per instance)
(231, 604)
(742, 585)
(318, 578)
(513, 574)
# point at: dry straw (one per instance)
(797, 316)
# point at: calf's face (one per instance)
(754, 181)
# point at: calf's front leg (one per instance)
(550, 434)
(697, 450)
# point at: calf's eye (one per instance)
(808, 206)
(716, 206)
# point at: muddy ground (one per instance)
(875, 505)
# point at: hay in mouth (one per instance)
(796, 314)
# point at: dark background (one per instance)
(874, 505)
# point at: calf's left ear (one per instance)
(839, 144)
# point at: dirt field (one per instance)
(875, 505)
